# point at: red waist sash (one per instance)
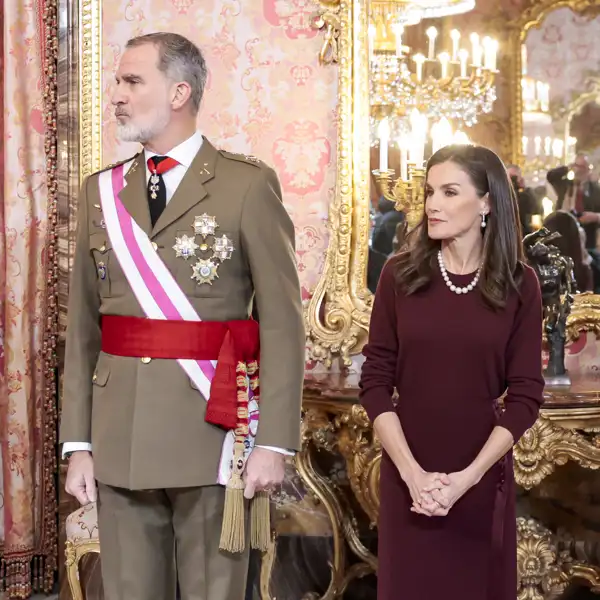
(227, 342)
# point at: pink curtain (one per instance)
(27, 298)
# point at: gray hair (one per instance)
(179, 59)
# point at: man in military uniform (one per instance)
(175, 249)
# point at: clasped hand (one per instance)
(434, 494)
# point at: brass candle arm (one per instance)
(408, 196)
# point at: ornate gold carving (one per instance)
(90, 88)
(538, 562)
(546, 446)
(337, 315)
(328, 19)
(585, 316)
(323, 491)
(73, 555)
(587, 574)
(348, 433)
(548, 563)
(361, 450)
(579, 100)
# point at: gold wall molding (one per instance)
(90, 87)
(338, 312)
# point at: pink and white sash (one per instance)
(158, 294)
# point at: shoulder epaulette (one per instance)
(115, 164)
(245, 158)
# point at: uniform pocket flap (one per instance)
(100, 243)
(102, 373)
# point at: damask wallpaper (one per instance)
(267, 95)
(576, 40)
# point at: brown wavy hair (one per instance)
(503, 256)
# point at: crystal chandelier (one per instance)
(456, 84)
(411, 12)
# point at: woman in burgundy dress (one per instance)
(456, 322)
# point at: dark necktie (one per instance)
(157, 191)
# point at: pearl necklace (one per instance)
(454, 288)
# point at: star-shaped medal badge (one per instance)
(222, 248)
(205, 225)
(205, 271)
(185, 246)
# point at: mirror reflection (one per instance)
(429, 84)
(558, 180)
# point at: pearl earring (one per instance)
(483, 221)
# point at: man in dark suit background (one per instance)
(577, 193)
(526, 199)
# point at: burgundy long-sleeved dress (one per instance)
(450, 357)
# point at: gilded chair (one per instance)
(82, 538)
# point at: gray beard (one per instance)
(130, 132)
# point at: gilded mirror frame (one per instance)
(577, 104)
(79, 124)
(585, 314)
(338, 312)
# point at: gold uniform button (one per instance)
(103, 249)
(146, 360)
(155, 246)
(94, 378)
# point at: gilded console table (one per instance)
(568, 430)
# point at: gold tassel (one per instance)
(260, 522)
(233, 538)
(260, 514)
(233, 534)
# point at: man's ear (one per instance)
(181, 94)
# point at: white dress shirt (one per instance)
(184, 154)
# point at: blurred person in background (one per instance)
(526, 200)
(571, 243)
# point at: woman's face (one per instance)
(452, 205)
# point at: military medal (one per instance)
(223, 248)
(215, 251)
(205, 271)
(154, 185)
(185, 246)
(205, 225)
(102, 270)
